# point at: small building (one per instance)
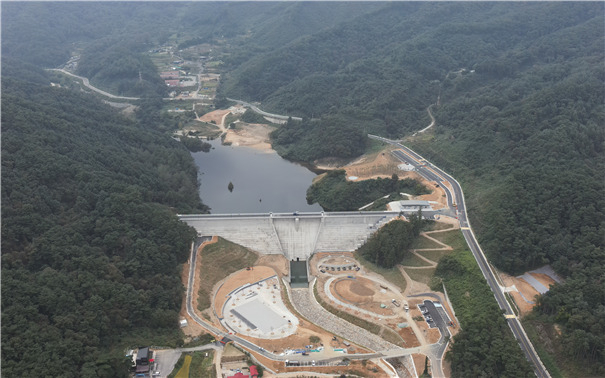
(253, 371)
(143, 356)
(183, 323)
(172, 83)
(142, 360)
(410, 205)
(239, 375)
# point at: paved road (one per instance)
(89, 86)
(395, 352)
(257, 110)
(432, 172)
(166, 359)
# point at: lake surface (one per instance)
(262, 182)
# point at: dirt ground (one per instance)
(383, 165)
(419, 360)
(363, 293)
(254, 135)
(437, 193)
(192, 329)
(305, 329)
(407, 334)
(278, 263)
(238, 279)
(217, 116)
(525, 289)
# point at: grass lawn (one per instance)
(392, 275)
(434, 255)
(204, 129)
(421, 275)
(218, 261)
(411, 259)
(195, 365)
(452, 238)
(422, 242)
(435, 226)
(209, 84)
(184, 370)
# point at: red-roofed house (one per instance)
(253, 372)
(239, 375)
(172, 83)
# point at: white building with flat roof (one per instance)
(410, 205)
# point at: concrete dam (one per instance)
(294, 235)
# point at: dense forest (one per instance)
(91, 247)
(121, 70)
(519, 101)
(334, 193)
(388, 246)
(309, 140)
(484, 345)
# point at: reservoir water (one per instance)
(262, 182)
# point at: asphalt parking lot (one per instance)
(435, 315)
(165, 359)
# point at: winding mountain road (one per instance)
(89, 86)
(262, 112)
(434, 173)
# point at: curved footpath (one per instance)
(313, 310)
(306, 304)
(433, 173)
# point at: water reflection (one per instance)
(262, 182)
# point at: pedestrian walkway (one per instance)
(307, 306)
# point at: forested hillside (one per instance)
(335, 193)
(91, 246)
(112, 36)
(388, 246)
(527, 142)
(518, 94)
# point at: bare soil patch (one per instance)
(419, 360)
(363, 293)
(253, 135)
(217, 261)
(356, 287)
(525, 292)
(381, 164)
(278, 263)
(217, 116)
(236, 280)
(407, 334)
